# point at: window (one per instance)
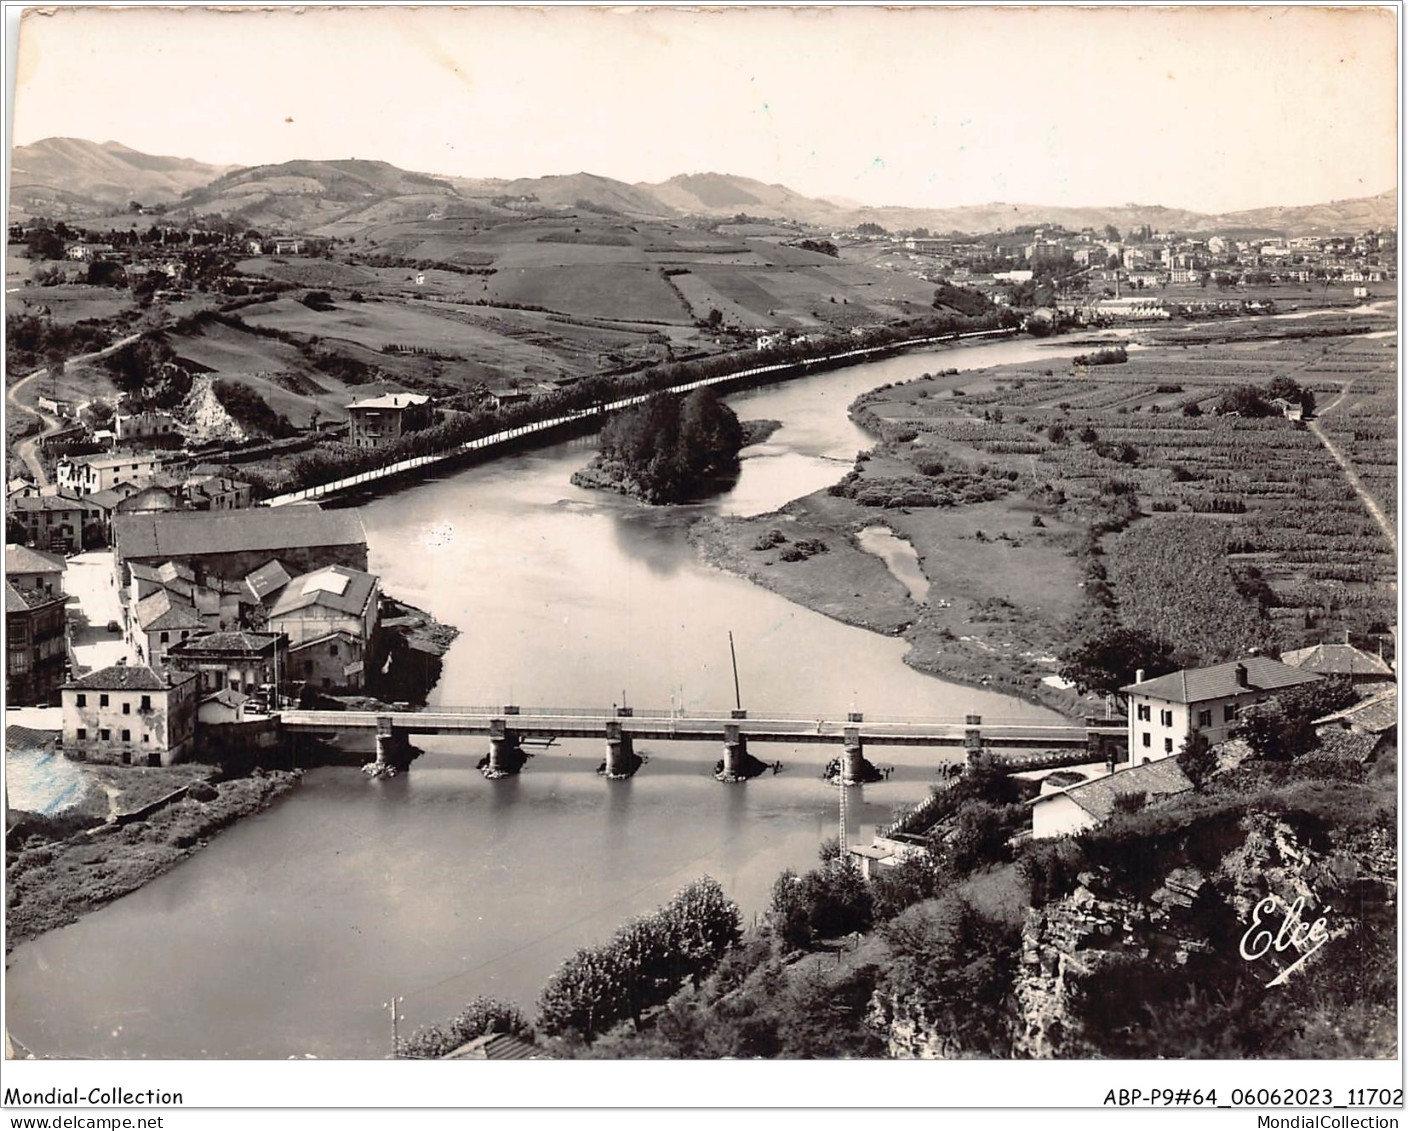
(146, 738)
(1143, 712)
(82, 734)
(105, 734)
(146, 702)
(1166, 718)
(1145, 739)
(102, 700)
(1229, 712)
(127, 708)
(82, 699)
(126, 736)
(332, 649)
(1205, 718)
(165, 637)
(1168, 746)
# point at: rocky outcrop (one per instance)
(1072, 941)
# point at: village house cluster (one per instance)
(224, 616)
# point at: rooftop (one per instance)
(23, 559)
(334, 587)
(1374, 715)
(129, 677)
(190, 534)
(1097, 797)
(161, 611)
(391, 400)
(226, 644)
(19, 600)
(1196, 685)
(45, 503)
(1337, 659)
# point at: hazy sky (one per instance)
(1213, 109)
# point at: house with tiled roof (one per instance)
(52, 522)
(130, 713)
(238, 661)
(1362, 732)
(378, 422)
(1164, 712)
(35, 570)
(330, 618)
(1064, 812)
(1363, 669)
(163, 619)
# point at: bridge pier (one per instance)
(392, 750)
(973, 741)
(737, 764)
(506, 755)
(621, 760)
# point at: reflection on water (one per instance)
(285, 935)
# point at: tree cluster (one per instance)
(669, 447)
(642, 965)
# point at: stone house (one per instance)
(51, 522)
(379, 422)
(1164, 712)
(1065, 812)
(129, 713)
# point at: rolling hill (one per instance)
(70, 177)
(82, 174)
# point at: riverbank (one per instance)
(1009, 482)
(994, 618)
(51, 883)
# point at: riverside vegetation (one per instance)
(1122, 941)
(59, 868)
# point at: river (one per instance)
(285, 936)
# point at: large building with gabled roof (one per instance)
(233, 544)
(1164, 712)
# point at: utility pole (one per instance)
(737, 695)
(394, 1006)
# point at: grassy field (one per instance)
(1004, 479)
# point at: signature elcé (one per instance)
(1293, 932)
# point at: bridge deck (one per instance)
(665, 726)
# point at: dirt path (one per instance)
(1370, 503)
(27, 450)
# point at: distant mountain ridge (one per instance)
(65, 176)
(107, 175)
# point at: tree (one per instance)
(44, 244)
(1244, 400)
(1112, 233)
(1109, 660)
(715, 319)
(1197, 759)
